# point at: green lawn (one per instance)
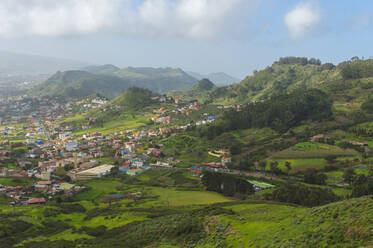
(100, 189)
(116, 126)
(308, 150)
(174, 197)
(23, 181)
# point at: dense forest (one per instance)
(281, 112)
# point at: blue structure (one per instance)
(123, 152)
(211, 117)
(40, 142)
(123, 169)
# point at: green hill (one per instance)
(199, 91)
(203, 85)
(134, 98)
(349, 81)
(76, 84)
(110, 81)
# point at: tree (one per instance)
(262, 164)
(362, 185)
(311, 176)
(288, 166)
(274, 167)
(227, 184)
(349, 175)
(235, 149)
(331, 158)
(302, 195)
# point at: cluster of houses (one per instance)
(52, 146)
(22, 195)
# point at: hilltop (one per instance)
(134, 98)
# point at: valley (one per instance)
(283, 158)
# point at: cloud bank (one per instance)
(303, 19)
(193, 19)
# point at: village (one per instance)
(38, 144)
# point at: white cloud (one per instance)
(303, 19)
(193, 19)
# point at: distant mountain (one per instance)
(110, 81)
(159, 80)
(76, 84)
(219, 78)
(23, 64)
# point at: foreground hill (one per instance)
(110, 81)
(170, 217)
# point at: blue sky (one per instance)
(234, 36)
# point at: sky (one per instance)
(232, 36)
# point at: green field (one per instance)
(118, 125)
(23, 181)
(308, 150)
(261, 184)
(174, 197)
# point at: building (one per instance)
(226, 160)
(71, 146)
(196, 171)
(92, 173)
(36, 201)
(137, 163)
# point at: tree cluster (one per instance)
(228, 185)
(362, 185)
(311, 176)
(280, 113)
(357, 69)
(298, 61)
(303, 195)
